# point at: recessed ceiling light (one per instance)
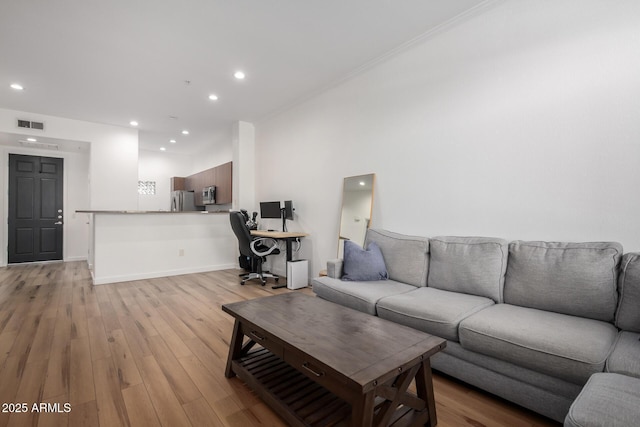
(239, 75)
(361, 182)
(185, 132)
(133, 123)
(173, 141)
(32, 139)
(213, 97)
(163, 149)
(16, 86)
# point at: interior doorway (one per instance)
(35, 221)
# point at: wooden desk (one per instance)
(287, 236)
(278, 234)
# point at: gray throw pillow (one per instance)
(363, 265)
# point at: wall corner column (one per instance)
(244, 175)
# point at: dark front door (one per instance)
(35, 208)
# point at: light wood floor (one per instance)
(151, 353)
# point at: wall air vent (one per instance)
(35, 144)
(27, 124)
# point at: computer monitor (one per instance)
(288, 209)
(270, 210)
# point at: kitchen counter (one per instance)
(130, 245)
(151, 212)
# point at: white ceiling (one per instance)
(118, 60)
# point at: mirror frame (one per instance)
(347, 182)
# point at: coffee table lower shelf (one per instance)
(298, 399)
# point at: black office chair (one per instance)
(254, 248)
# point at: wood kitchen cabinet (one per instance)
(220, 176)
(198, 181)
(177, 183)
(222, 180)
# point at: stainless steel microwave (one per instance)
(209, 195)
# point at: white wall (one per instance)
(216, 154)
(143, 246)
(160, 167)
(76, 227)
(113, 170)
(520, 123)
(113, 161)
(104, 178)
(244, 167)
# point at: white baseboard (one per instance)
(156, 274)
(69, 259)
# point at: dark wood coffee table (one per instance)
(317, 363)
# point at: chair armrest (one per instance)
(334, 268)
(261, 240)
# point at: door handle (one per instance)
(57, 223)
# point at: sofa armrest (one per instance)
(334, 268)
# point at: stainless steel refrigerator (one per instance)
(183, 201)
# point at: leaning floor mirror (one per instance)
(357, 205)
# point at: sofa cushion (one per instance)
(628, 313)
(568, 347)
(607, 400)
(363, 265)
(431, 310)
(625, 358)
(570, 278)
(471, 265)
(406, 257)
(548, 383)
(361, 296)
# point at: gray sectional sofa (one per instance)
(531, 322)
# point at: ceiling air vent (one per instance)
(26, 124)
